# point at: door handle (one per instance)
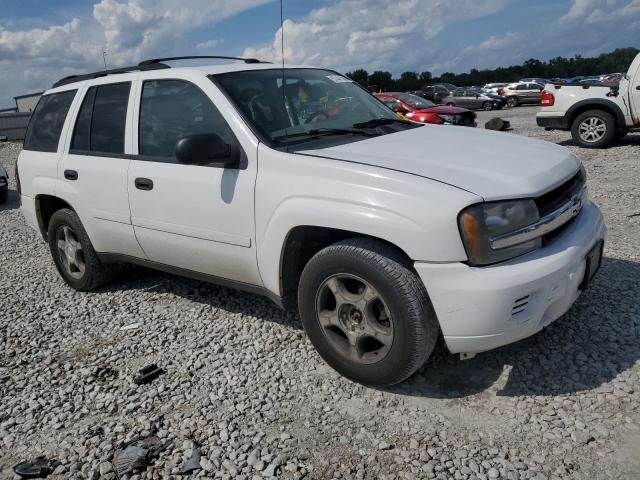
(70, 174)
(144, 184)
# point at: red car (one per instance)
(421, 110)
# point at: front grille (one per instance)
(552, 200)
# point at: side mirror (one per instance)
(207, 149)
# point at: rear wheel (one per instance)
(512, 102)
(366, 312)
(486, 106)
(594, 129)
(73, 254)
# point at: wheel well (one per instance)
(304, 242)
(46, 206)
(593, 106)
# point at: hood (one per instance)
(493, 165)
(443, 109)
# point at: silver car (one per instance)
(473, 99)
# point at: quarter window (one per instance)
(47, 120)
(173, 109)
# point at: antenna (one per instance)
(104, 58)
(284, 81)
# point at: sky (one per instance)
(42, 41)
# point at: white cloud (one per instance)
(208, 45)
(401, 35)
(370, 33)
(129, 30)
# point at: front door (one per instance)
(195, 217)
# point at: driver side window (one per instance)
(171, 110)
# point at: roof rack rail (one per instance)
(113, 71)
(152, 64)
(194, 57)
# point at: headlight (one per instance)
(479, 223)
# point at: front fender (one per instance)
(417, 215)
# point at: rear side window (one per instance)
(101, 122)
(47, 120)
(172, 109)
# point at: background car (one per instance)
(541, 81)
(435, 93)
(473, 98)
(521, 93)
(421, 110)
(4, 185)
(494, 87)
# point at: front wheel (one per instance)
(594, 129)
(73, 254)
(487, 106)
(366, 312)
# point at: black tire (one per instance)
(414, 323)
(95, 273)
(487, 106)
(4, 194)
(600, 118)
(512, 102)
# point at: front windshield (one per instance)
(312, 99)
(415, 101)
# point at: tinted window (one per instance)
(109, 118)
(47, 121)
(101, 122)
(172, 109)
(80, 140)
(521, 86)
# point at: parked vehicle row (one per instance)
(421, 110)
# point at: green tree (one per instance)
(360, 76)
(408, 81)
(381, 81)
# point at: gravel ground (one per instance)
(243, 383)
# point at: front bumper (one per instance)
(481, 308)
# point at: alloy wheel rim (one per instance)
(592, 129)
(354, 318)
(70, 252)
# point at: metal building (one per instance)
(27, 103)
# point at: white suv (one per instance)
(298, 184)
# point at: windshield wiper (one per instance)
(317, 132)
(376, 122)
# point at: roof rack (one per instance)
(195, 57)
(151, 64)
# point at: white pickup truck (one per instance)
(596, 115)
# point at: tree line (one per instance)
(559, 67)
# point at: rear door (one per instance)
(195, 217)
(92, 173)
